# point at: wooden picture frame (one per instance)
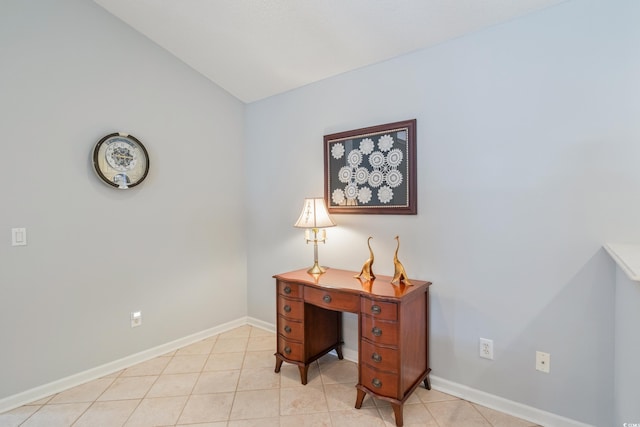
(371, 170)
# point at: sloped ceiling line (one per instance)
(256, 49)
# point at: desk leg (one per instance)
(397, 411)
(303, 373)
(360, 398)
(339, 352)
(278, 364)
(427, 383)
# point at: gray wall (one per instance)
(527, 156)
(627, 341)
(528, 148)
(172, 247)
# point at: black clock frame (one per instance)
(96, 150)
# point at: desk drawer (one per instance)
(379, 382)
(332, 299)
(290, 308)
(290, 329)
(383, 358)
(289, 349)
(379, 331)
(379, 309)
(291, 290)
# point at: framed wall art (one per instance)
(371, 170)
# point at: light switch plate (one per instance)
(136, 319)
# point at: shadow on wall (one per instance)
(576, 327)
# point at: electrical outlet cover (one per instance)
(543, 362)
(18, 237)
(486, 348)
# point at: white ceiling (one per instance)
(258, 48)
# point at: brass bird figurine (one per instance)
(399, 275)
(367, 271)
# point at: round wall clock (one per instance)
(121, 160)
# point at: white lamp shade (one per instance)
(314, 214)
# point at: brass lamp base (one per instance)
(316, 269)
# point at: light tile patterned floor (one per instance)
(228, 381)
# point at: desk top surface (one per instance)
(344, 280)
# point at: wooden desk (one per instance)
(393, 329)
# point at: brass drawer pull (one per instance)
(376, 331)
(376, 309)
(287, 329)
(326, 298)
(376, 383)
(287, 289)
(376, 357)
(287, 350)
(287, 308)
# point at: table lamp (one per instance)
(314, 216)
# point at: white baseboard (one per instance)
(40, 392)
(507, 406)
(510, 407)
(349, 354)
(262, 325)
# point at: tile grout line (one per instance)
(188, 396)
(147, 392)
(96, 399)
(50, 398)
(235, 392)
(430, 413)
(35, 412)
(481, 414)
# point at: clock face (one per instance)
(121, 155)
(120, 160)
